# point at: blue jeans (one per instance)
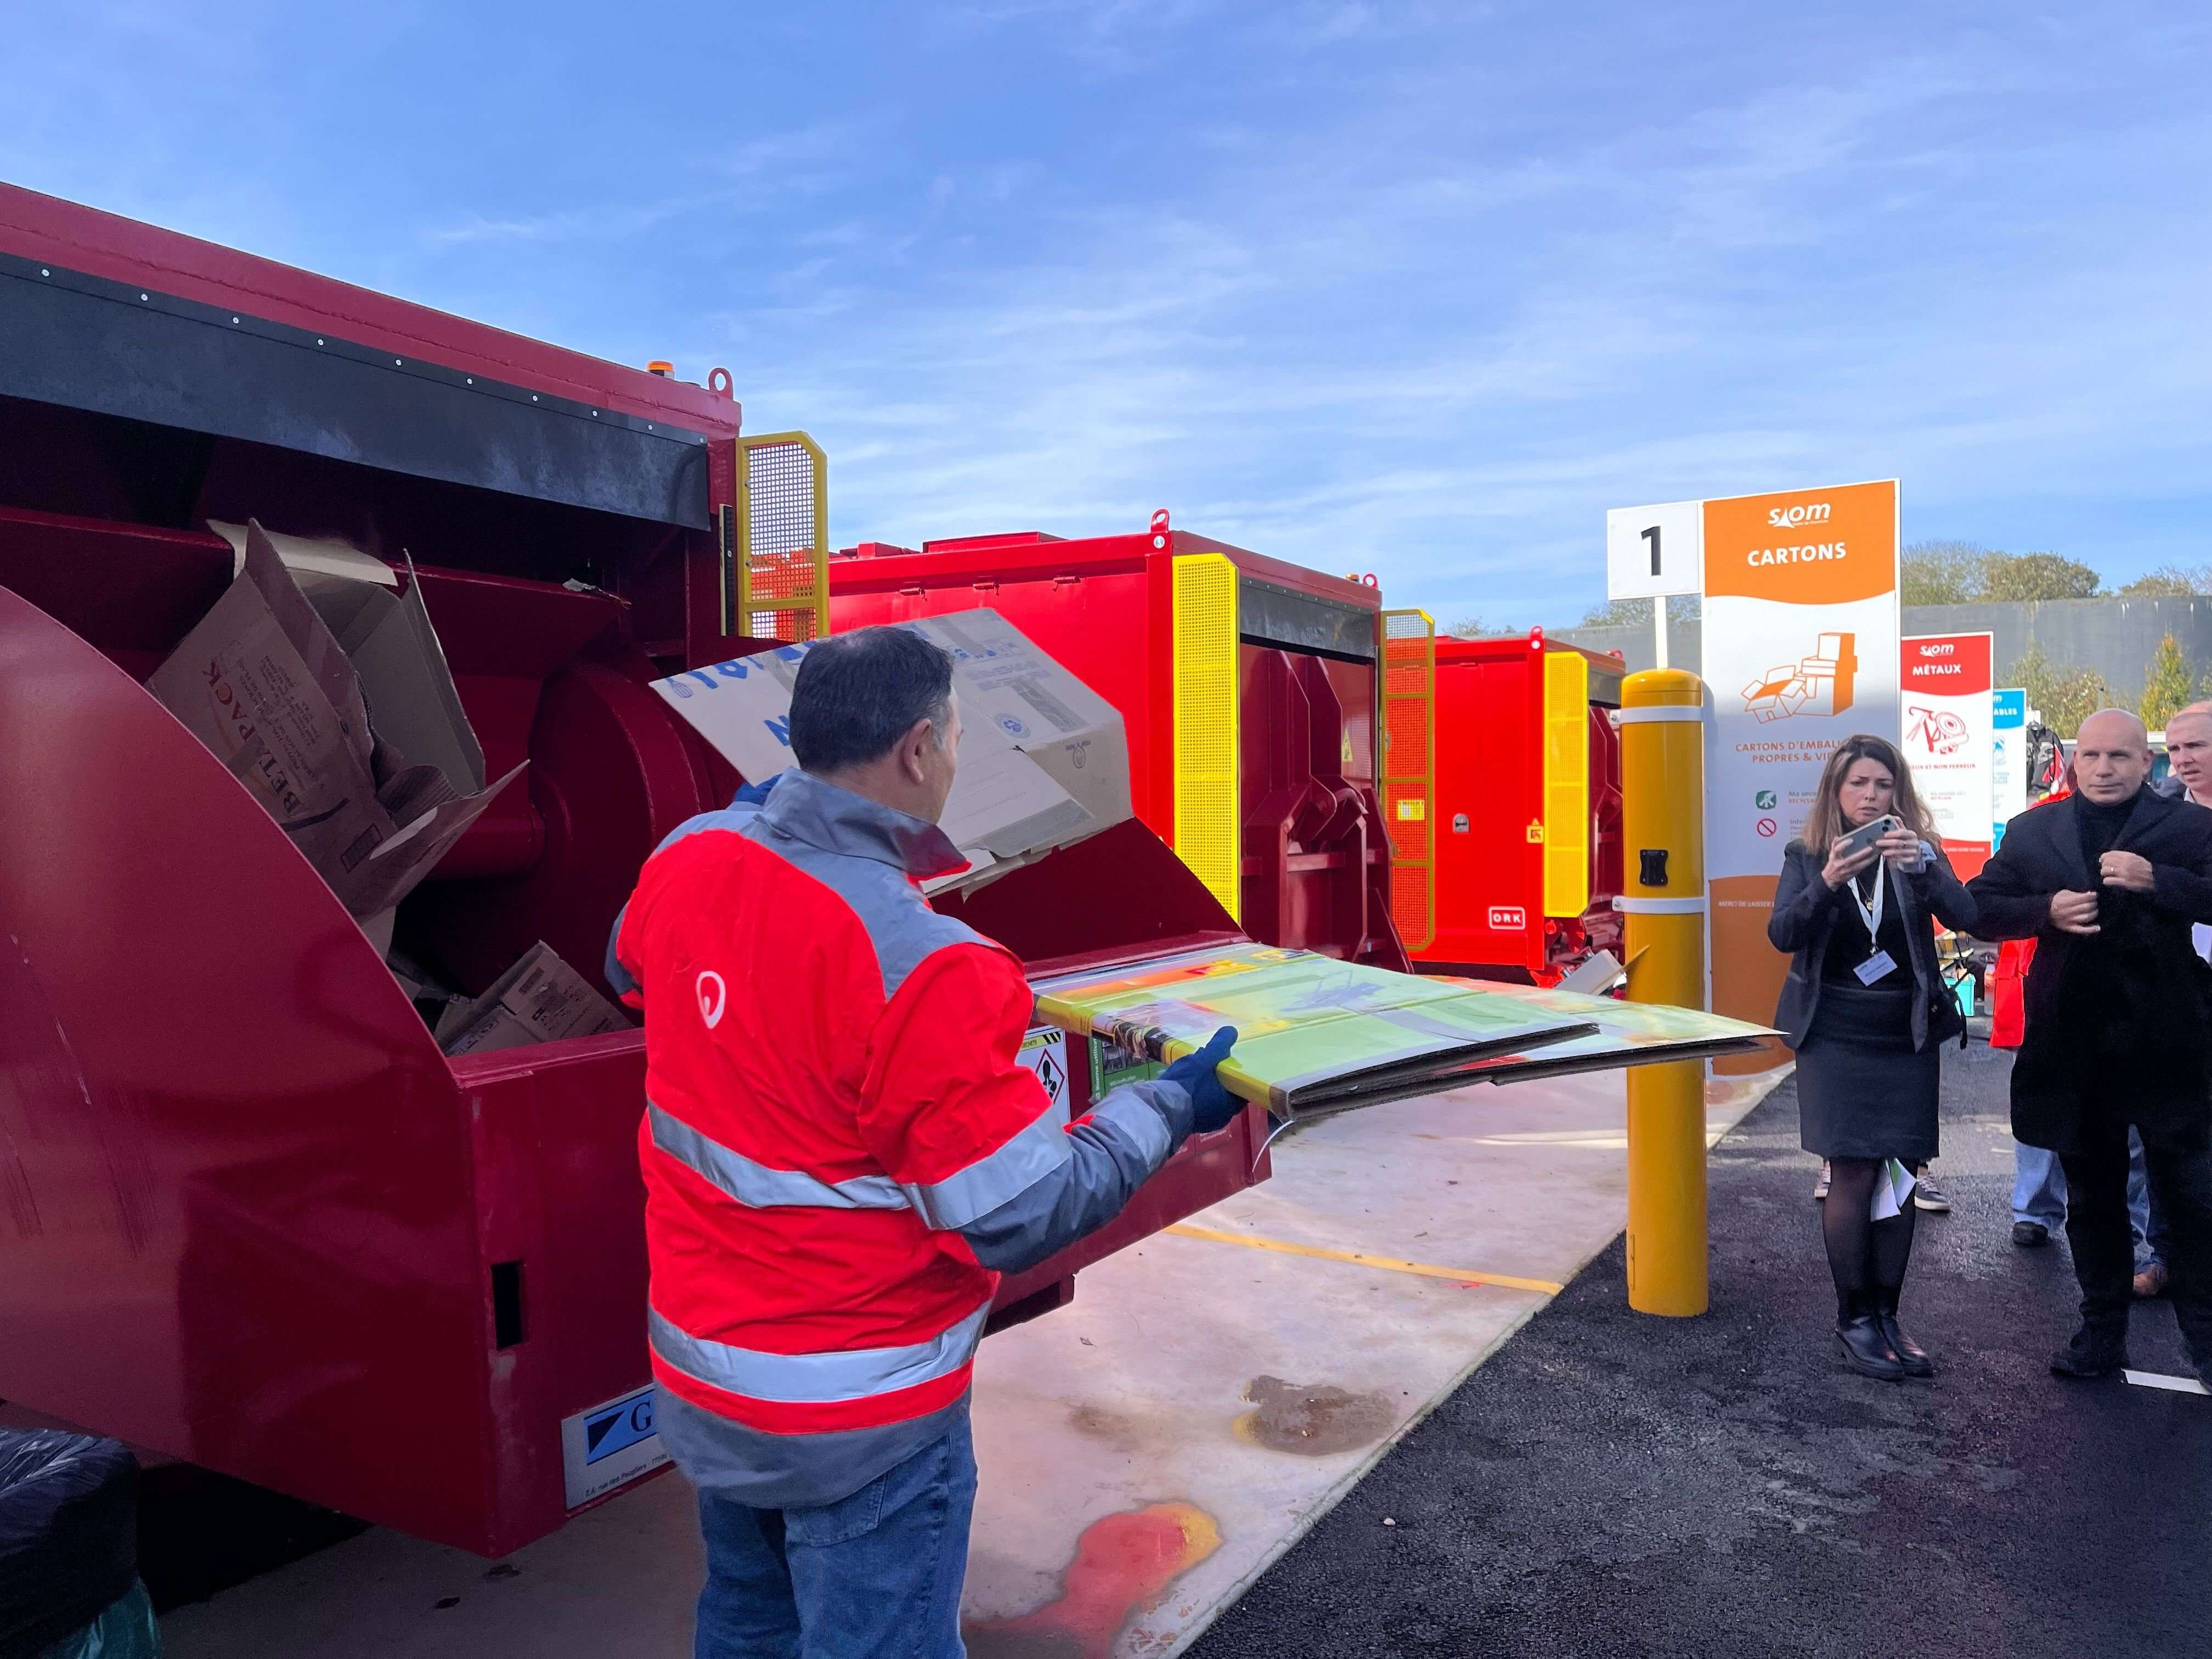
(875, 1574)
(2039, 1194)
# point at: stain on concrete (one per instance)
(1312, 1420)
(1097, 1423)
(1123, 1565)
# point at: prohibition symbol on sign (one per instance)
(1767, 827)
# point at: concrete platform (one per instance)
(1146, 1453)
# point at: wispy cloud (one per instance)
(1415, 289)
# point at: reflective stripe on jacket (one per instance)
(841, 1150)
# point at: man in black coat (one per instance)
(2119, 1024)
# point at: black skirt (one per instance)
(1862, 1090)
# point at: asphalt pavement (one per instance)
(1610, 1484)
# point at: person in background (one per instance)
(842, 1154)
(2189, 751)
(1867, 1011)
(2118, 1024)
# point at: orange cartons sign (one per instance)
(1801, 651)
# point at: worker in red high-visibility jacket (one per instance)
(841, 1154)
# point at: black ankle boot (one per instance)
(1911, 1356)
(2092, 1353)
(1867, 1348)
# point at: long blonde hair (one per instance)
(1826, 821)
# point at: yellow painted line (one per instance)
(1361, 1259)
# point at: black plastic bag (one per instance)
(68, 1543)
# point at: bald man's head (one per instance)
(2112, 757)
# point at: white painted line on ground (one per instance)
(2174, 1384)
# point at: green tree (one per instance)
(2167, 684)
(1944, 572)
(2017, 576)
(2170, 581)
(1637, 613)
(2067, 697)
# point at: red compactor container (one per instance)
(250, 1216)
(1526, 809)
(1248, 688)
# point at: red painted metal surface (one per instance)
(1316, 863)
(235, 1169)
(1490, 773)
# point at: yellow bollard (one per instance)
(1662, 774)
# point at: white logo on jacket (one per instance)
(714, 995)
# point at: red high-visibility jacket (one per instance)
(842, 1151)
(2009, 982)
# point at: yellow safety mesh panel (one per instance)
(783, 553)
(1567, 783)
(1208, 823)
(1409, 780)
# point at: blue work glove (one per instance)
(1212, 1106)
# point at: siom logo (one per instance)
(1788, 518)
(713, 996)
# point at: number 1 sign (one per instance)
(1651, 551)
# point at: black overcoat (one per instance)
(2154, 1070)
(1806, 912)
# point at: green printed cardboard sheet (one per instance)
(1628, 1034)
(1317, 1035)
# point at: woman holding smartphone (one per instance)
(1867, 1013)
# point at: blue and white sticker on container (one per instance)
(610, 1446)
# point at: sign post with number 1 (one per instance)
(1652, 552)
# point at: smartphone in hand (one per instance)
(1865, 835)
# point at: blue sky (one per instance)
(1408, 288)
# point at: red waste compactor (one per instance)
(250, 1216)
(1248, 688)
(1527, 808)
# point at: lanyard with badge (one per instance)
(1880, 965)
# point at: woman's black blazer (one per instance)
(1807, 910)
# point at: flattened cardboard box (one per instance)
(1043, 759)
(540, 999)
(329, 698)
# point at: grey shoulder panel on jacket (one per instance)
(900, 924)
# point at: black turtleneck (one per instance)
(2101, 826)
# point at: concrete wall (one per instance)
(2116, 637)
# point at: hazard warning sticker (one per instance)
(610, 1446)
(1044, 1051)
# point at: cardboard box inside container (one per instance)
(310, 681)
(539, 999)
(1044, 762)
